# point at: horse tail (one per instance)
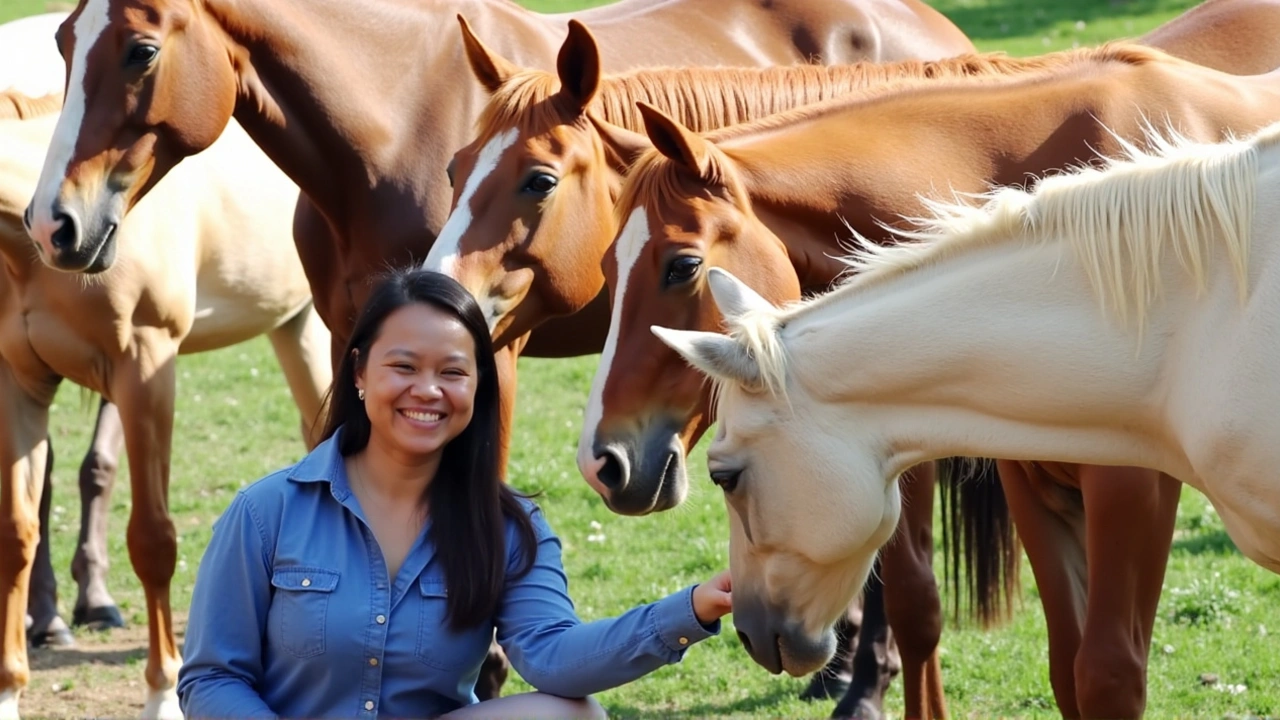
(978, 534)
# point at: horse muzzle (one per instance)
(777, 642)
(639, 474)
(72, 240)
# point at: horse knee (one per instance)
(98, 471)
(1110, 685)
(19, 537)
(153, 546)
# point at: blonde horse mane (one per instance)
(1119, 217)
(703, 98)
(16, 105)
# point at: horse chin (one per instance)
(801, 655)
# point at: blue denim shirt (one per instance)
(293, 615)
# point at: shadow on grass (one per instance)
(999, 19)
(1216, 542)
(780, 695)
(60, 658)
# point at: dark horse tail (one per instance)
(978, 533)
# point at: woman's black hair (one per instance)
(467, 501)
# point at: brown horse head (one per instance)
(148, 83)
(538, 182)
(683, 209)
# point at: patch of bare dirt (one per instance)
(101, 676)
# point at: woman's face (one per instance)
(419, 381)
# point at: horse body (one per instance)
(205, 261)
(1111, 318)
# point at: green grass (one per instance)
(235, 423)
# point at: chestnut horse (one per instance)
(1121, 316)
(768, 201)
(541, 175)
(179, 284)
(153, 81)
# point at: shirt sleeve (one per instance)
(228, 620)
(556, 653)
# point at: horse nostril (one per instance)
(746, 641)
(67, 236)
(26, 218)
(613, 474)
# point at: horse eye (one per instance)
(141, 55)
(682, 269)
(541, 184)
(726, 480)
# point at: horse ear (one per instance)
(733, 297)
(578, 65)
(490, 68)
(720, 357)
(624, 146)
(675, 140)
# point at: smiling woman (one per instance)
(400, 518)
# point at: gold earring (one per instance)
(360, 393)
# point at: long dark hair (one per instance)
(467, 501)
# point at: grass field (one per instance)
(235, 423)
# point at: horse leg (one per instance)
(46, 628)
(875, 661)
(301, 346)
(144, 390)
(95, 608)
(911, 597)
(832, 681)
(24, 423)
(1050, 522)
(1129, 519)
(496, 667)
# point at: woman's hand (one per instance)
(713, 599)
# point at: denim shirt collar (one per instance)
(325, 464)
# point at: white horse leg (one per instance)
(302, 348)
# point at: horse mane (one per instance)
(654, 175)
(705, 98)
(16, 105)
(1119, 217)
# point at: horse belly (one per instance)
(228, 319)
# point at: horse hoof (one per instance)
(825, 687)
(98, 619)
(61, 637)
(863, 710)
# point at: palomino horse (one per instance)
(179, 283)
(166, 75)
(31, 67)
(728, 199)
(1123, 316)
(547, 162)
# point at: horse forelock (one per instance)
(1119, 217)
(654, 178)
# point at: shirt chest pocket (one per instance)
(302, 609)
(438, 645)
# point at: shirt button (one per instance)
(368, 704)
(381, 619)
(373, 661)
(306, 582)
(684, 641)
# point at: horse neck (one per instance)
(1000, 351)
(350, 96)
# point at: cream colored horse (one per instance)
(1125, 316)
(205, 261)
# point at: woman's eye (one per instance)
(541, 184)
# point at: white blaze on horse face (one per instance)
(448, 245)
(88, 27)
(634, 236)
